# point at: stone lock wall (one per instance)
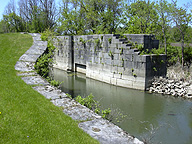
(111, 58)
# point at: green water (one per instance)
(168, 119)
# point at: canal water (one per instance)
(156, 118)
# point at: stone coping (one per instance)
(93, 124)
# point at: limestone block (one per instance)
(34, 80)
(108, 61)
(107, 133)
(98, 76)
(40, 43)
(116, 56)
(35, 34)
(124, 46)
(116, 50)
(60, 66)
(117, 75)
(121, 69)
(29, 57)
(39, 47)
(37, 38)
(106, 79)
(107, 68)
(116, 62)
(24, 66)
(114, 69)
(128, 57)
(113, 81)
(139, 85)
(128, 72)
(128, 64)
(128, 77)
(124, 83)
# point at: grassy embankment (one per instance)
(25, 115)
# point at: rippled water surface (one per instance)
(160, 119)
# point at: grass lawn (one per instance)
(25, 115)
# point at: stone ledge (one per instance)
(29, 57)
(34, 80)
(107, 133)
(24, 66)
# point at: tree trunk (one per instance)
(182, 46)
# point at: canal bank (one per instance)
(99, 128)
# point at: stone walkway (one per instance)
(97, 127)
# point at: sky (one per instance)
(3, 4)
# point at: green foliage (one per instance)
(121, 52)
(82, 40)
(45, 61)
(109, 40)
(188, 55)
(105, 113)
(42, 65)
(12, 23)
(89, 17)
(140, 47)
(53, 82)
(154, 69)
(111, 115)
(69, 96)
(47, 34)
(157, 51)
(141, 18)
(87, 101)
(97, 43)
(111, 54)
(173, 54)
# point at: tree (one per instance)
(90, 16)
(163, 11)
(181, 19)
(71, 20)
(141, 18)
(13, 23)
(10, 8)
(3, 26)
(48, 13)
(111, 18)
(38, 15)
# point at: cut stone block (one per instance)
(34, 80)
(107, 133)
(29, 57)
(50, 92)
(75, 110)
(24, 66)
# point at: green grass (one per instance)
(26, 116)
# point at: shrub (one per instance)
(46, 34)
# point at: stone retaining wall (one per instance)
(111, 58)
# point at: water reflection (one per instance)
(171, 118)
